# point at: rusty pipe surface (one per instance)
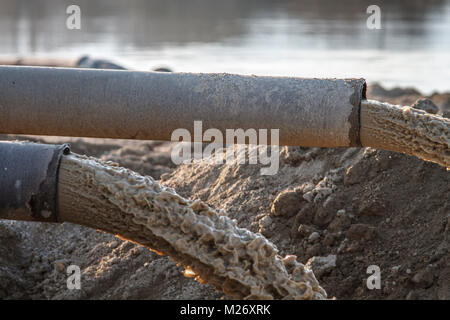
(151, 105)
(28, 180)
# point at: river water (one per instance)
(310, 38)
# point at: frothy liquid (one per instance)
(212, 248)
(406, 130)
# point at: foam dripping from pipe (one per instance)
(213, 249)
(407, 130)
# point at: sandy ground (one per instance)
(338, 210)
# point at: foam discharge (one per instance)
(210, 246)
(407, 130)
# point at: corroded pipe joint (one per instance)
(28, 180)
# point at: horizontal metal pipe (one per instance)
(28, 180)
(151, 105)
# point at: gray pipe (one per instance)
(149, 105)
(28, 180)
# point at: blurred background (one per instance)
(310, 38)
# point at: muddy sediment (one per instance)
(210, 245)
(407, 130)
